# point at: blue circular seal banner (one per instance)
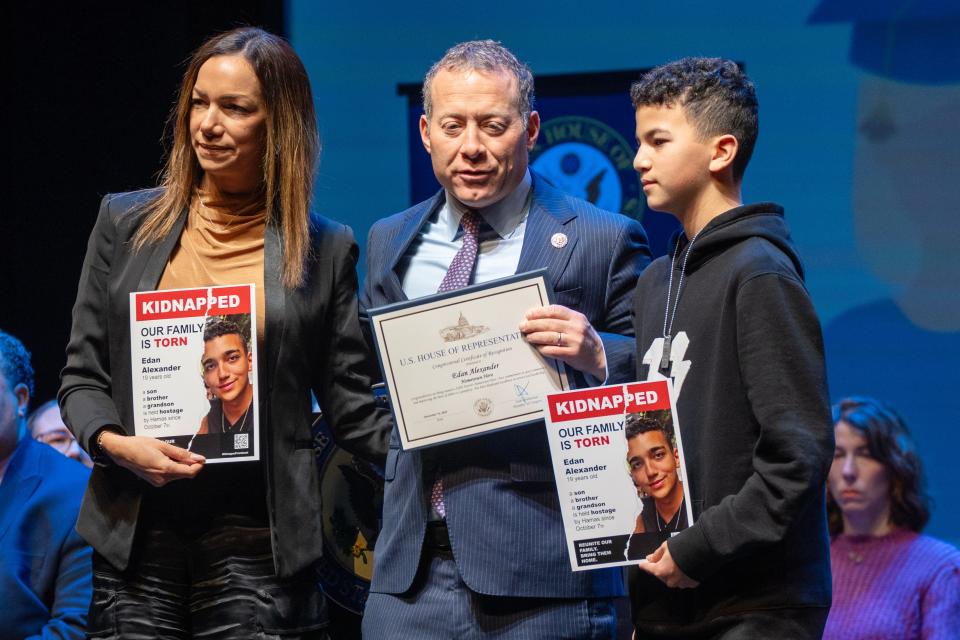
(590, 160)
(352, 498)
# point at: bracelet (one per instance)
(99, 442)
(98, 453)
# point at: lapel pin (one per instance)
(559, 240)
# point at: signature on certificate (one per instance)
(521, 391)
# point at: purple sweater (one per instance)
(898, 586)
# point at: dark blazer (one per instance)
(312, 342)
(44, 564)
(501, 501)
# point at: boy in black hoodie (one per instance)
(728, 319)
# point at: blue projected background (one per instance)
(860, 141)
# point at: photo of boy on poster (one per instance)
(226, 367)
(653, 460)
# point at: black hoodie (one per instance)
(754, 415)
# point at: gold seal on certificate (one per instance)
(456, 365)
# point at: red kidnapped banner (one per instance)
(609, 401)
(648, 396)
(190, 303)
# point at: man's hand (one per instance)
(156, 462)
(565, 334)
(660, 564)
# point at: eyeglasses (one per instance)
(59, 439)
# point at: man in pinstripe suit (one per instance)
(472, 543)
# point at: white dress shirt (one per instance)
(426, 260)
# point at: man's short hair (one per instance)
(15, 362)
(483, 55)
(646, 421)
(717, 98)
(218, 326)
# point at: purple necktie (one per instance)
(461, 267)
(458, 276)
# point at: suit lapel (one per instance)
(19, 483)
(393, 289)
(157, 255)
(273, 294)
(549, 215)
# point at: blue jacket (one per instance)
(44, 565)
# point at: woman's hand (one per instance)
(156, 462)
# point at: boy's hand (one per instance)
(567, 335)
(660, 564)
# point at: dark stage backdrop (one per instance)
(85, 114)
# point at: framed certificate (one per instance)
(456, 364)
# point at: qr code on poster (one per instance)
(241, 441)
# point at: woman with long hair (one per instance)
(889, 580)
(227, 551)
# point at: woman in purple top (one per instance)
(889, 581)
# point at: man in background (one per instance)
(44, 564)
(46, 426)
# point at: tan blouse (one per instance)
(221, 244)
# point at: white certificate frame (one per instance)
(450, 378)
